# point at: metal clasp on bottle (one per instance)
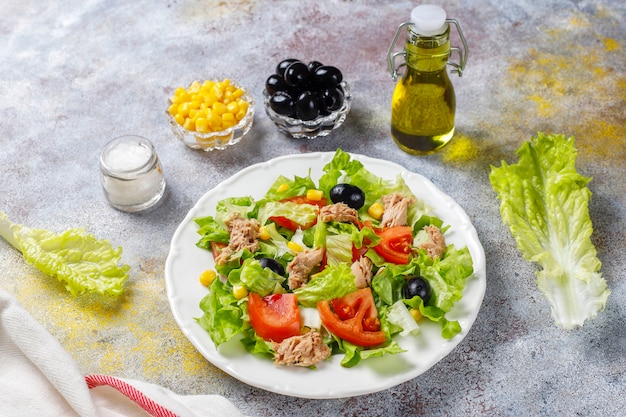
(457, 67)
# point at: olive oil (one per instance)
(423, 104)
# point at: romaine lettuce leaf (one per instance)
(298, 213)
(333, 282)
(544, 201)
(224, 316)
(80, 260)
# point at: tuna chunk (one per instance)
(304, 350)
(300, 267)
(243, 235)
(339, 212)
(436, 246)
(396, 208)
(362, 270)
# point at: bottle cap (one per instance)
(428, 20)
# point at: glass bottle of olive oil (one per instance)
(423, 105)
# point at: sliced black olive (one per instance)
(416, 286)
(272, 264)
(327, 76)
(282, 66)
(348, 194)
(282, 103)
(275, 83)
(306, 106)
(297, 75)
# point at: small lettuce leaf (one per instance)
(79, 260)
(544, 201)
(333, 282)
(224, 316)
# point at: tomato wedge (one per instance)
(274, 317)
(395, 244)
(290, 224)
(353, 318)
(216, 248)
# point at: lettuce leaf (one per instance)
(81, 261)
(333, 282)
(544, 201)
(224, 316)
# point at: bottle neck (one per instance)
(427, 53)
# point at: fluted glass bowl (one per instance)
(222, 139)
(310, 129)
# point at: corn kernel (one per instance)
(215, 121)
(207, 277)
(228, 117)
(294, 246)
(189, 124)
(180, 119)
(314, 195)
(228, 123)
(282, 187)
(240, 115)
(376, 210)
(202, 125)
(194, 87)
(183, 109)
(239, 292)
(415, 313)
(237, 93)
(232, 107)
(218, 108)
(264, 234)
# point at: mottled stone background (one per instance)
(75, 74)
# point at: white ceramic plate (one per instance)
(186, 262)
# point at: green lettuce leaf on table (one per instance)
(544, 202)
(79, 260)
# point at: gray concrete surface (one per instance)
(75, 74)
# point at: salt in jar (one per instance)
(131, 173)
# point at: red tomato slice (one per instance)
(274, 317)
(216, 248)
(290, 224)
(395, 244)
(353, 318)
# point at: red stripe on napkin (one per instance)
(131, 392)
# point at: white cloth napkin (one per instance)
(39, 378)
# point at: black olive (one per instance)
(416, 286)
(348, 194)
(313, 65)
(297, 75)
(306, 106)
(275, 83)
(332, 98)
(336, 193)
(272, 264)
(282, 103)
(282, 66)
(327, 76)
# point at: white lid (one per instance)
(428, 20)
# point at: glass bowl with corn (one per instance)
(211, 115)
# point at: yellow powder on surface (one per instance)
(572, 83)
(134, 335)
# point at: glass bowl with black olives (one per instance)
(211, 114)
(306, 100)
